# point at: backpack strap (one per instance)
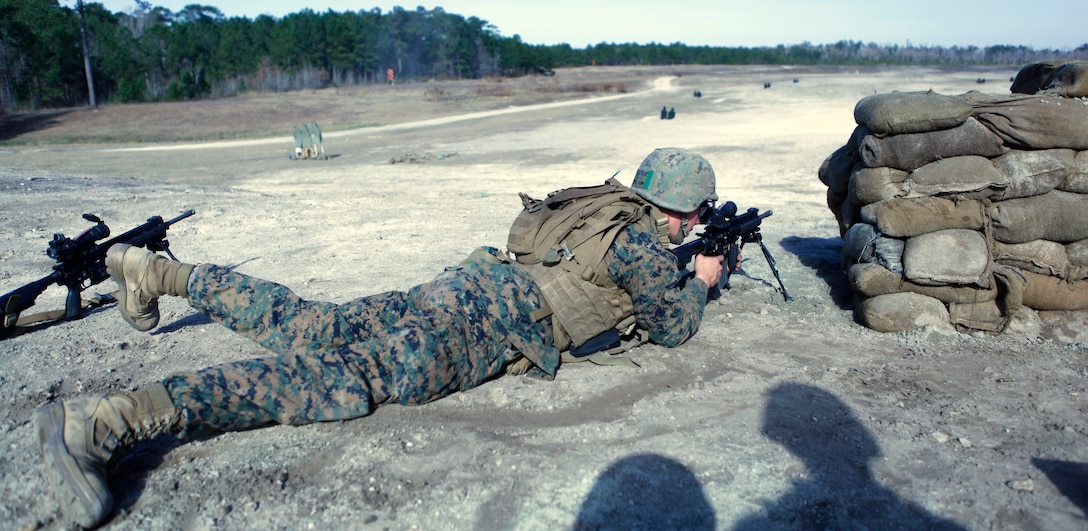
(543, 223)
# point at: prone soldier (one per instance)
(526, 311)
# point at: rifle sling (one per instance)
(84, 304)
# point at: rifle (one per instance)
(726, 233)
(81, 263)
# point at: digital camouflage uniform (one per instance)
(604, 268)
(340, 361)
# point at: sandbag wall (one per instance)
(963, 209)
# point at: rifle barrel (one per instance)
(183, 215)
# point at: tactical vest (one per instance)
(563, 240)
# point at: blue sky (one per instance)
(1052, 24)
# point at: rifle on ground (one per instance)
(726, 233)
(81, 263)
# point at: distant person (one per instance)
(672, 113)
(664, 113)
(488, 315)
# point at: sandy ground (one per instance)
(775, 416)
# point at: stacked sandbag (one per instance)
(963, 209)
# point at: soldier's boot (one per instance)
(81, 438)
(142, 277)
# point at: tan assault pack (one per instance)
(562, 241)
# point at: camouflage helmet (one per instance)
(675, 179)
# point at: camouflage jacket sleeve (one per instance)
(666, 304)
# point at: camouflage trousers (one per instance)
(340, 361)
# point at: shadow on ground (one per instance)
(130, 479)
(194, 319)
(1070, 477)
(13, 126)
(646, 491)
(839, 490)
(823, 255)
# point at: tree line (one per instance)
(154, 54)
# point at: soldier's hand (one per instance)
(709, 268)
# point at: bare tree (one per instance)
(86, 56)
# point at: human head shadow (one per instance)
(15, 125)
(646, 491)
(824, 256)
(1069, 477)
(839, 490)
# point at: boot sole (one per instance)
(75, 494)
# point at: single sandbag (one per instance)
(873, 279)
(969, 175)
(1030, 78)
(998, 315)
(1044, 292)
(978, 316)
(1034, 172)
(836, 169)
(1033, 122)
(1078, 253)
(1056, 216)
(904, 218)
(1077, 181)
(1069, 80)
(862, 243)
(851, 213)
(910, 151)
(1010, 286)
(898, 113)
(857, 243)
(834, 203)
(1038, 256)
(853, 144)
(953, 256)
(870, 185)
(902, 312)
